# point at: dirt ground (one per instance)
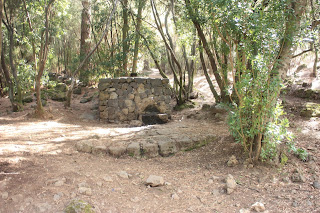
(41, 171)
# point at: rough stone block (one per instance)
(117, 151)
(133, 149)
(167, 146)
(150, 149)
(84, 146)
(99, 150)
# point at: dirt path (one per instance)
(41, 171)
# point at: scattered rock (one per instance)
(17, 198)
(258, 207)
(99, 183)
(232, 161)
(230, 184)
(215, 192)
(297, 177)
(60, 182)
(210, 181)
(316, 184)
(123, 174)
(79, 206)
(43, 207)
(295, 204)
(57, 197)
(154, 181)
(107, 179)
(77, 91)
(135, 199)
(86, 99)
(175, 196)
(85, 191)
(4, 195)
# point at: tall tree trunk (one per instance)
(222, 86)
(75, 73)
(125, 30)
(13, 67)
(295, 10)
(85, 43)
(9, 82)
(43, 54)
(137, 38)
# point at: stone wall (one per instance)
(126, 99)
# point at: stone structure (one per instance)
(132, 98)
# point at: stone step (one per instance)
(163, 145)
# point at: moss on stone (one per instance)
(311, 110)
(79, 206)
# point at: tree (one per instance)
(85, 40)
(125, 30)
(141, 5)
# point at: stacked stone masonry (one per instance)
(125, 99)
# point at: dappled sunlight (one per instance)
(50, 137)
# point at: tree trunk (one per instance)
(85, 43)
(13, 67)
(9, 82)
(125, 30)
(137, 38)
(43, 54)
(291, 29)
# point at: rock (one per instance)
(154, 181)
(99, 150)
(215, 192)
(295, 204)
(108, 178)
(123, 174)
(194, 95)
(57, 197)
(61, 87)
(135, 123)
(316, 185)
(79, 206)
(117, 151)
(175, 196)
(85, 191)
(297, 177)
(167, 146)
(311, 110)
(60, 182)
(84, 146)
(210, 181)
(135, 199)
(258, 207)
(230, 184)
(43, 207)
(17, 198)
(150, 149)
(232, 161)
(77, 91)
(27, 99)
(99, 183)
(4, 195)
(86, 100)
(133, 149)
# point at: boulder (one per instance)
(311, 110)
(79, 206)
(154, 180)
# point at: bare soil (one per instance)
(40, 169)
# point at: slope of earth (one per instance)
(41, 171)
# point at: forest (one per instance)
(244, 81)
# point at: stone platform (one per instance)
(149, 141)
